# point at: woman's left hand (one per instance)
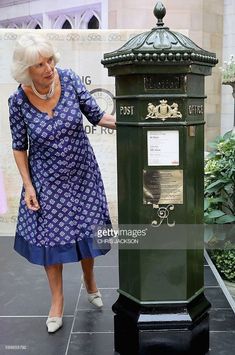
(108, 121)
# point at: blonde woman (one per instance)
(63, 195)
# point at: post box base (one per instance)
(172, 329)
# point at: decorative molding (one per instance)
(163, 214)
(78, 16)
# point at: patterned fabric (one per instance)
(64, 173)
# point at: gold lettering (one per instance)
(126, 110)
(195, 109)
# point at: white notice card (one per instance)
(163, 148)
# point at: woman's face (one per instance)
(42, 73)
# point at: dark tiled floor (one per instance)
(25, 300)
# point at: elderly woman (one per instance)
(63, 196)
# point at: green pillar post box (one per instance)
(161, 307)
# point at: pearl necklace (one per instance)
(44, 96)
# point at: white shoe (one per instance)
(94, 298)
(53, 324)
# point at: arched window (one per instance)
(34, 23)
(66, 25)
(90, 19)
(93, 23)
(13, 25)
(64, 22)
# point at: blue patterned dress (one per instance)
(64, 173)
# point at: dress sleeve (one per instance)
(88, 104)
(17, 126)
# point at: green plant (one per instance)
(224, 259)
(219, 204)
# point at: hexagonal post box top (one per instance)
(160, 46)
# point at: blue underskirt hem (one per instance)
(60, 254)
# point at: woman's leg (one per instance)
(55, 278)
(88, 273)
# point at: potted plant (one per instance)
(219, 204)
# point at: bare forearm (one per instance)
(108, 121)
(21, 159)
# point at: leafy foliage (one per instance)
(224, 259)
(219, 204)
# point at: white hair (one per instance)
(27, 52)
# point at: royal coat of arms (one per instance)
(163, 111)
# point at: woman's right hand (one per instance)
(31, 199)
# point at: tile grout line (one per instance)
(222, 331)
(108, 332)
(74, 316)
(36, 316)
(209, 287)
(83, 310)
(104, 288)
(99, 266)
(220, 308)
(220, 281)
(94, 310)
(217, 286)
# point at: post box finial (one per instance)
(160, 46)
(159, 12)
